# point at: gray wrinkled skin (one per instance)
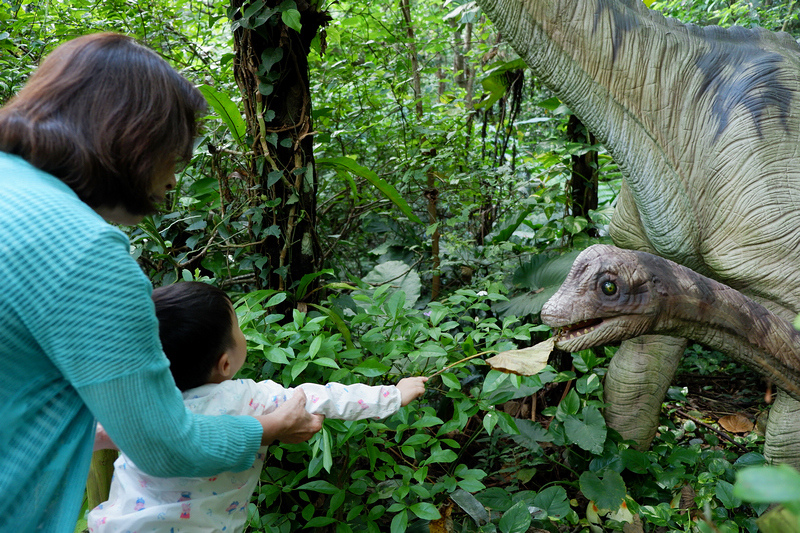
(612, 294)
(704, 123)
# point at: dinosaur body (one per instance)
(704, 123)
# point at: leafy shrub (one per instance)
(460, 453)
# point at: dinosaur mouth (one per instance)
(578, 329)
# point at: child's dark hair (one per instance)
(195, 321)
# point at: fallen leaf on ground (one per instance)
(736, 423)
(525, 362)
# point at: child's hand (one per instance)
(411, 389)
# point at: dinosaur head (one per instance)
(608, 296)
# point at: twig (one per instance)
(725, 436)
(448, 367)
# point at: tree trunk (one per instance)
(584, 182)
(271, 69)
(431, 191)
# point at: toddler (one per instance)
(202, 339)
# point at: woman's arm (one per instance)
(290, 422)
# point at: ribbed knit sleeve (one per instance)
(79, 340)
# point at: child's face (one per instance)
(238, 352)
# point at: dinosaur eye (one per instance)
(609, 288)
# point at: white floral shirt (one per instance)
(139, 503)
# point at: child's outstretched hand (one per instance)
(411, 389)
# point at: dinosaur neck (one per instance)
(645, 85)
(724, 319)
(605, 59)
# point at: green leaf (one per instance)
(269, 57)
(393, 276)
(315, 345)
(553, 500)
(320, 485)
(371, 368)
(489, 421)
(587, 384)
(496, 82)
(531, 434)
(326, 362)
(542, 276)
(227, 110)
(429, 349)
(450, 381)
(399, 522)
(425, 511)
(635, 461)
(471, 485)
(724, 493)
(608, 493)
(298, 368)
(516, 520)
(347, 164)
(768, 484)
(749, 459)
(320, 521)
(291, 17)
(589, 433)
(276, 354)
(496, 499)
(779, 520)
(472, 506)
(568, 406)
(427, 421)
(441, 456)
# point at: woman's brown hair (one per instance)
(104, 114)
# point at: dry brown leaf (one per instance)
(525, 362)
(687, 497)
(736, 423)
(633, 527)
(445, 523)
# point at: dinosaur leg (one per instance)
(637, 380)
(782, 441)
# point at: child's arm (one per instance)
(359, 401)
(344, 402)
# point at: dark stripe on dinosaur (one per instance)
(754, 83)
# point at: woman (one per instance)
(94, 135)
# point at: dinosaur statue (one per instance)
(612, 294)
(704, 124)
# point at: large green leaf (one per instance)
(399, 276)
(496, 81)
(606, 493)
(227, 110)
(541, 276)
(348, 165)
(768, 484)
(589, 431)
(553, 501)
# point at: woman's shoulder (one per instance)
(38, 209)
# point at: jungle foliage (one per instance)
(444, 181)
